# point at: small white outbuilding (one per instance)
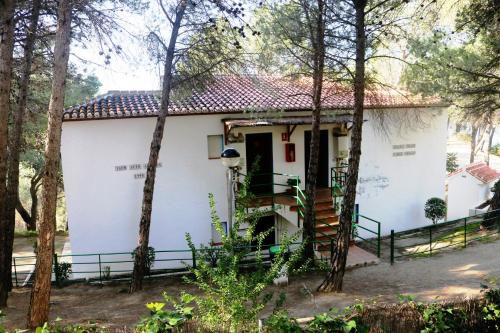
(468, 187)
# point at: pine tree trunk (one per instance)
(473, 143)
(15, 142)
(318, 42)
(490, 143)
(40, 294)
(334, 279)
(6, 47)
(149, 183)
(24, 215)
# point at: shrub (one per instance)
(280, 322)
(440, 319)
(346, 321)
(2, 330)
(62, 271)
(149, 260)
(71, 328)
(491, 310)
(435, 209)
(233, 277)
(495, 150)
(160, 320)
(451, 162)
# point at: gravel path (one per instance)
(449, 275)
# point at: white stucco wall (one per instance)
(465, 192)
(394, 189)
(104, 202)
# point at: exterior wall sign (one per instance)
(135, 167)
(408, 149)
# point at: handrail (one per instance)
(356, 218)
(299, 196)
(338, 179)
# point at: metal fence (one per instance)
(427, 241)
(101, 267)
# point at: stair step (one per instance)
(321, 226)
(319, 206)
(325, 238)
(327, 215)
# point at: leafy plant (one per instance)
(346, 321)
(440, 319)
(2, 329)
(280, 322)
(106, 273)
(451, 162)
(435, 209)
(491, 310)
(233, 282)
(71, 328)
(495, 150)
(149, 260)
(160, 320)
(63, 271)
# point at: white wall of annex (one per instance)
(465, 192)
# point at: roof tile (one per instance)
(237, 94)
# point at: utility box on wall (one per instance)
(290, 152)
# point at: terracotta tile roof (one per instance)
(479, 170)
(238, 94)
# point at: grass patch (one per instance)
(25, 233)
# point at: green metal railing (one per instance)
(374, 241)
(108, 266)
(293, 183)
(284, 181)
(338, 179)
(426, 241)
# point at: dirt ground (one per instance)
(450, 275)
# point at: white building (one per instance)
(469, 187)
(105, 145)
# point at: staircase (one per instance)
(327, 219)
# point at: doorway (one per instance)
(259, 155)
(322, 180)
(264, 224)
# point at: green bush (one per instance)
(334, 321)
(160, 320)
(451, 162)
(2, 330)
(149, 260)
(440, 319)
(233, 277)
(435, 209)
(71, 328)
(495, 150)
(63, 271)
(491, 310)
(280, 322)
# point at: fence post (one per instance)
(378, 240)
(15, 270)
(100, 272)
(392, 246)
(56, 268)
(430, 241)
(356, 213)
(194, 258)
(465, 232)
